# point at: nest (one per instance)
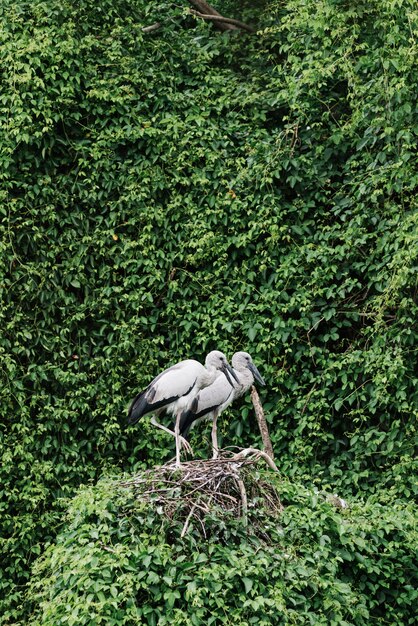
(225, 487)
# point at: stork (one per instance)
(211, 401)
(175, 389)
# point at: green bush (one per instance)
(165, 194)
(119, 560)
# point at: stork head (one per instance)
(217, 360)
(242, 361)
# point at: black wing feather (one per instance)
(142, 403)
(189, 416)
(141, 406)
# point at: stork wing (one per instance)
(174, 382)
(210, 400)
(215, 397)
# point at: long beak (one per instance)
(227, 369)
(256, 374)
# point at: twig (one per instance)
(151, 28)
(244, 501)
(206, 9)
(258, 454)
(186, 523)
(224, 20)
(102, 545)
(204, 508)
(229, 497)
(262, 424)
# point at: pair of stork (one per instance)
(191, 391)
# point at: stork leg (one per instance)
(183, 442)
(177, 436)
(215, 448)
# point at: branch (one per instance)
(219, 19)
(206, 12)
(204, 7)
(257, 454)
(102, 545)
(186, 523)
(150, 29)
(244, 500)
(262, 424)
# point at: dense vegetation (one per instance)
(120, 561)
(164, 194)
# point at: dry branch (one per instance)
(258, 454)
(186, 523)
(223, 20)
(206, 9)
(262, 424)
(244, 501)
(151, 28)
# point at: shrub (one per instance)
(120, 560)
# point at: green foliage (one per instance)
(165, 194)
(119, 560)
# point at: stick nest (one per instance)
(203, 490)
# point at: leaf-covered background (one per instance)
(165, 194)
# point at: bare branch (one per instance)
(206, 9)
(102, 545)
(219, 19)
(262, 424)
(152, 28)
(186, 523)
(244, 501)
(258, 454)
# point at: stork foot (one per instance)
(186, 445)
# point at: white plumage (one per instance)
(215, 398)
(175, 388)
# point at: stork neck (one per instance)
(245, 378)
(208, 376)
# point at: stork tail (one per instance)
(138, 408)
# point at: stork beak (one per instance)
(254, 371)
(227, 370)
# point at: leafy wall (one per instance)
(164, 194)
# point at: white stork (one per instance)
(211, 401)
(175, 389)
